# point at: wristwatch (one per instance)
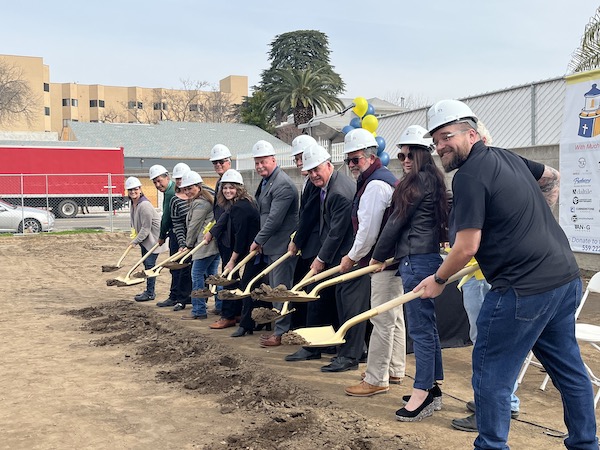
(439, 280)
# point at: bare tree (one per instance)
(408, 101)
(183, 104)
(17, 100)
(111, 116)
(218, 107)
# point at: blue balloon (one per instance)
(381, 145)
(355, 122)
(347, 129)
(385, 158)
(370, 110)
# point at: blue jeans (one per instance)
(509, 326)
(474, 292)
(149, 263)
(201, 268)
(420, 320)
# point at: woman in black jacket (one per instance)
(243, 224)
(412, 235)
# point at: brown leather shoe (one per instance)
(364, 389)
(392, 380)
(271, 341)
(222, 323)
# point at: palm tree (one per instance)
(587, 56)
(303, 92)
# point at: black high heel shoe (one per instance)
(425, 410)
(241, 331)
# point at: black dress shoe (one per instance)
(467, 424)
(144, 297)
(167, 302)
(340, 364)
(304, 355)
(241, 331)
(424, 410)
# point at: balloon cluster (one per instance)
(366, 119)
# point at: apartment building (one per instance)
(55, 103)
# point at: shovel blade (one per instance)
(319, 336)
(121, 281)
(110, 268)
(296, 299)
(236, 294)
(176, 265)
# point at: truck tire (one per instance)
(67, 209)
(31, 226)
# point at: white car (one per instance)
(18, 219)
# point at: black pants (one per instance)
(181, 279)
(352, 298)
(248, 304)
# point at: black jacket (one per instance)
(416, 234)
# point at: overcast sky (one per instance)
(430, 49)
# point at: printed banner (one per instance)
(579, 207)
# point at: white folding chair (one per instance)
(585, 332)
(593, 286)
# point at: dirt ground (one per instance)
(84, 366)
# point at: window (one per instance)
(74, 102)
(93, 103)
(131, 105)
(46, 110)
(46, 87)
(101, 103)
(93, 121)
(140, 105)
(66, 101)
(157, 106)
(194, 108)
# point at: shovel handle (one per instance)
(348, 276)
(141, 260)
(194, 250)
(266, 270)
(398, 301)
(127, 250)
(314, 278)
(241, 264)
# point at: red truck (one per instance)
(62, 178)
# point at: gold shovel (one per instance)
(327, 336)
(314, 294)
(226, 278)
(174, 265)
(110, 268)
(155, 271)
(127, 280)
(237, 294)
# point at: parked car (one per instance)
(31, 220)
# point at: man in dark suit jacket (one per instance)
(277, 199)
(336, 236)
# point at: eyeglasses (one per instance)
(354, 160)
(220, 161)
(402, 156)
(448, 136)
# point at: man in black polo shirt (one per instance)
(501, 216)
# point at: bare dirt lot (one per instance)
(84, 366)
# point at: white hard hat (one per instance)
(413, 135)
(157, 170)
(313, 156)
(358, 139)
(132, 182)
(446, 112)
(190, 178)
(301, 143)
(180, 170)
(232, 176)
(219, 152)
(262, 148)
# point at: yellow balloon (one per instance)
(360, 106)
(370, 123)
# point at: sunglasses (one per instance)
(354, 160)
(220, 161)
(402, 156)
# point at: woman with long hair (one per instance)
(145, 226)
(243, 224)
(205, 260)
(413, 235)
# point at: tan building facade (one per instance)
(54, 103)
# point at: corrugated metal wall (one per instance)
(517, 117)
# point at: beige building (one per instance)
(55, 103)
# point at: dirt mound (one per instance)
(292, 417)
(266, 292)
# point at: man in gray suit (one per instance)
(277, 199)
(336, 236)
